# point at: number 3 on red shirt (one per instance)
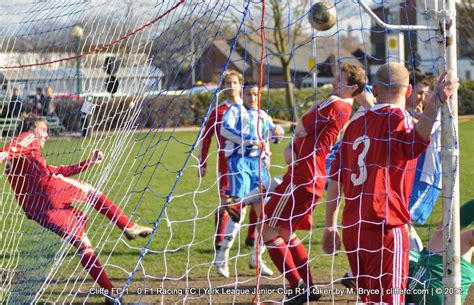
(361, 160)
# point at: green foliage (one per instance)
(190, 110)
(466, 98)
(186, 229)
(174, 111)
(273, 102)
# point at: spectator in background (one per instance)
(49, 108)
(87, 111)
(39, 100)
(15, 108)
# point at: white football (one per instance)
(322, 16)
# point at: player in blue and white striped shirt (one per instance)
(247, 131)
(427, 186)
(244, 143)
(427, 183)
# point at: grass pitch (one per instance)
(146, 174)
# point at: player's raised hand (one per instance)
(366, 98)
(445, 88)
(279, 131)
(261, 144)
(97, 157)
(331, 240)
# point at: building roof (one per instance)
(302, 53)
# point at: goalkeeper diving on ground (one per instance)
(46, 194)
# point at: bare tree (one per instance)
(178, 46)
(465, 25)
(284, 23)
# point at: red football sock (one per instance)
(91, 264)
(300, 257)
(221, 218)
(107, 208)
(252, 223)
(283, 260)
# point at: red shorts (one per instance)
(57, 214)
(63, 191)
(67, 222)
(290, 207)
(379, 261)
(224, 184)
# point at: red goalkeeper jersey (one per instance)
(35, 183)
(376, 164)
(322, 126)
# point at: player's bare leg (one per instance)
(437, 245)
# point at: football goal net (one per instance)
(183, 114)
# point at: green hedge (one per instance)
(466, 98)
(185, 110)
(273, 103)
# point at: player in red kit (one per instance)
(290, 206)
(232, 88)
(375, 167)
(46, 194)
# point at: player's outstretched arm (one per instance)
(412, 141)
(96, 158)
(331, 238)
(366, 98)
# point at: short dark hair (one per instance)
(39, 89)
(31, 121)
(250, 84)
(417, 77)
(355, 76)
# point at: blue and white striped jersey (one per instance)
(428, 167)
(239, 128)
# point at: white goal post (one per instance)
(446, 15)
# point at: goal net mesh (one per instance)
(139, 80)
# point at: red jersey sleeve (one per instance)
(309, 121)
(206, 139)
(405, 141)
(68, 170)
(25, 144)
